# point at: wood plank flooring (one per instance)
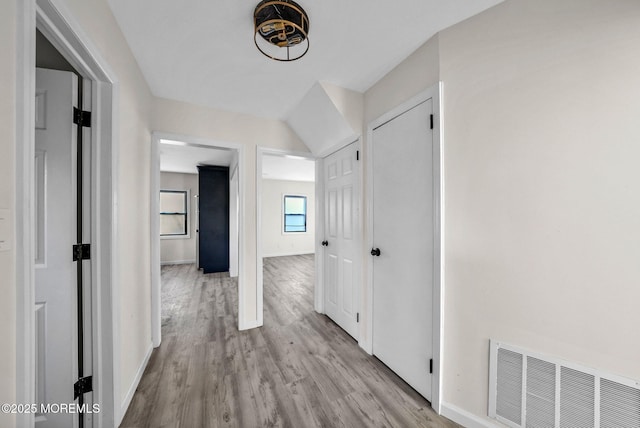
(299, 370)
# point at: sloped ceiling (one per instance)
(202, 51)
(327, 117)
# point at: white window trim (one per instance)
(306, 213)
(189, 212)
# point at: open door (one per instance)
(341, 267)
(62, 291)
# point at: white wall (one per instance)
(418, 72)
(7, 201)
(541, 101)
(542, 187)
(181, 250)
(349, 103)
(274, 241)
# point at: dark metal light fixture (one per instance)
(283, 28)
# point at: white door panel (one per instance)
(56, 233)
(403, 232)
(341, 223)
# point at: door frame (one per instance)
(260, 151)
(154, 224)
(54, 20)
(234, 217)
(318, 289)
(434, 93)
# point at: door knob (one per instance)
(325, 243)
(375, 252)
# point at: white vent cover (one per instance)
(529, 390)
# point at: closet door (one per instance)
(213, 218)
(403, 252)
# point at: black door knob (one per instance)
(375, 252)
(325, 243)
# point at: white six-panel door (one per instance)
(403, 225)
(56, 325)
(341, 272)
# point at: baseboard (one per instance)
(285, 254)
(178, 262)
(249, 325)
(464, 418)
(366, 346)
(134, 385)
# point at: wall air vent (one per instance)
(529, 390)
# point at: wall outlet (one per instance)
(5, 230)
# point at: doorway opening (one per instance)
(196, 211)
(62, 221)
(287, 207)
(99, 344)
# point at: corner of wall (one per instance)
(349, 103)
(415, 74)
(464, 418)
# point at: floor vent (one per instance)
(529, 390)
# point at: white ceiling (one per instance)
(275, 167)
(176, 156)
(202, 51)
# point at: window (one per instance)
(173, 213)
(295, 213)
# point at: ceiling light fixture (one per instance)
(281, 24)
(173, 143)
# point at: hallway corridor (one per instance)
(299, 370)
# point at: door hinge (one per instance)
(431, 366)
(82, 386)
(431, 121)
(81, 117)
(357, 155)
(357, 316)
(81, 252)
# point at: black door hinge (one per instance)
(431, 365)
(358, 317)
(81, 252)
(82, 386)
(431, 121)
(81, 117)
(357, 155)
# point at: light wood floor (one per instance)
(299, 370)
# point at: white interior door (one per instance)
(56, 323)
(403, 215)
(341, 192)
